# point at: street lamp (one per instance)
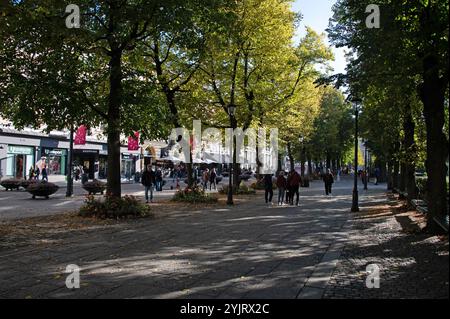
(355, 199)
(69, 191)
(302, 158)
(366, 177)
(231, 113)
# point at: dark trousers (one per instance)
(328, 188)
(294, 191)
(268, 195)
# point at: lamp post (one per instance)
(302, 158)
(231, 112)
(355, 199)
(366, 176)
(69, 191)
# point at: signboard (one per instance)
(80, 136)
(24, 150)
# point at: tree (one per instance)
(95, 67)
(411, 46)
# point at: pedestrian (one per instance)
(281, 184)
(37, 172)
(205, 179)
(268, 187)
(213, 179)
(294, 185)
(377, 175)
(31, 173)
(44, 173)
(328, 180)
(148, 181)
(159, 180)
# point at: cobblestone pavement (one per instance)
(411, 264)
(249, 251)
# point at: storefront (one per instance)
(19, 160)
(56, 160)
(88, 160)
(128, 167)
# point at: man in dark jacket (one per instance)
(268, 187)
(328, 179)
(148, 180)
(281, 184)
(294, 185)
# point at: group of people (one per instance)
(288, 187)
(209, 176)
(35, 172)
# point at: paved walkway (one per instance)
(19, 204)
(249, 251)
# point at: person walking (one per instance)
(31, 173)
(288, 188)
(377, 175)
(44, 173)
(268, 187)
(37, 172)
(213, 179)
(294, 185)
(148, 180)
(205, 179)
(328, 180)
(159, 180)
(281, 184)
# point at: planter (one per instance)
(28, 182)
(11, 184)
(244, 177)
(42, 189)
(95, 187)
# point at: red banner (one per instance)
(80, 136)
(133, 142)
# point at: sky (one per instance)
(316, 14)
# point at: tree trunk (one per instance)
(409, 145)
(328, 163)
(390, 181)
(402, 184)
(291, 157)
(114, 105)
(432, 93)
(310, 168)
(395, 175)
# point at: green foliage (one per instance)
(194, 195)
(114, 208)
(242, 190)
(333, 133)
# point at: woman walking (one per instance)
(328, 180)
(281, 184)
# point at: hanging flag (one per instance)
(133, 142)
(80, 136)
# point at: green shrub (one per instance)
(193, 195)
(242, 190)
(259, 185)
(114, 207)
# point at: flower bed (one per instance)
(114, 208)
(94, 187)
(11, 184)
(42, 189)
(193, 195)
